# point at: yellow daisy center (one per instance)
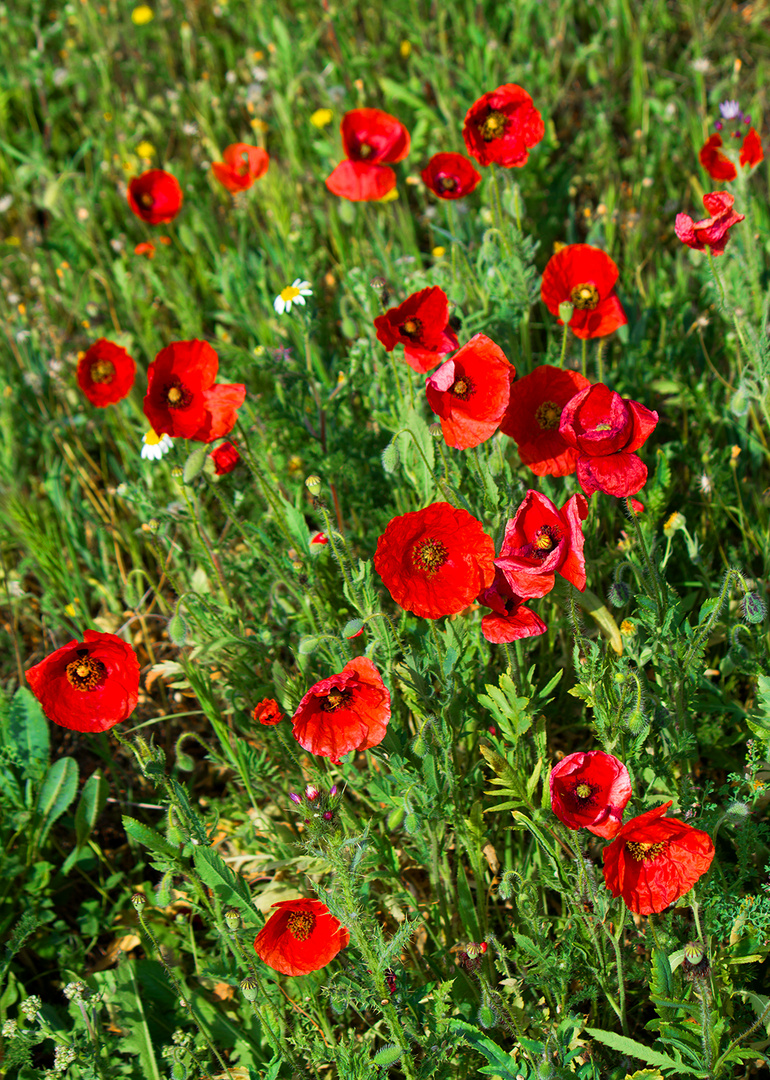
(291, 292)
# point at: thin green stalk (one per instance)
(564, 345)
(599, 363)
(584, 357)
(498, 211)
(207, 546)
(717, 278)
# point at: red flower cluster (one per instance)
(540, 542)
(372, 140)
(300, 937)
(155, 197)
(348, 711)
(585, 277)
(718, 165)
(713, 232)
(509, 619)
(590, 791)
(106, 373)
(242, 164)
(435, 561)
(450, 176)
(533, 415)
(88, 685)
(470, 392)
(654, 860)
(420, 324)
(268, 712)
(605, 429)
(183, 400)
(502, 126)
(226, 457)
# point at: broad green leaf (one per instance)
(466, 906)
(28, 734)
(92, 801)
(59, 789)
(229, 887)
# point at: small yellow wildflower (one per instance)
(145, 149)
(258, 125)
(141, 15)
(627, 628)
(321, 117)
(390, 196)
(438, 252)
(405, 48)
(675, 522)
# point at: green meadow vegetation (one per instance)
(138, 863)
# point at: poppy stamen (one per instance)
(412, 328)
(448, 183)
(585, 297)
(301, 924)
(85, 673)
(429, 556)
(335, 699)
(177, 395)
(463, 387)
(146, 199)
(102, 372)
(493, 126)
(645, 852)
(548, 415)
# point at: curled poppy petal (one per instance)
(712, 232)
(241, 166)
(716, 164)
(360, 181)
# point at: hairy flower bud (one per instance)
(139, 901)
(754, 608)
(619, 593)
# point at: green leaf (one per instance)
(28, 734)
(466, 906)
(146, 836)
(638, 1050)
(505, 1066)
(92, 801)
(59, 789)
(229, 887)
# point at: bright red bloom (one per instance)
(509, 619)
(654, 860)
(605, 429)
(501, 127)
(751, 150)
(585, 277)
(420, 324)
(719, 166)
(372, 140)
(713, 232)
(590, 791)
(242, 164)
(533, 415)
(268, 712)
(182, 399)
(319, 538)
(155, 196)
(540, 542)
(300, 937)
(226, 457)
(470, 392)
(450, 176)
(435, 561)
(145, 248)
(88, 685)
(106, 373)
(348, 711)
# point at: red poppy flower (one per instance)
(751, 150)
(348, 711)
(654, 860)
(225, 458)
(300, 937)
(435, 561)
(719, 166)
(470, 392)
(106, 373)
(88, 685)
(605, 429)
(540, 542)
(450, 176)
(509, 619)
(241, 166)
(182, 399)
(420, 324)
(145, 248)
(590, 791)
(585, 277)
(713, 232)
(372, 140)
(501, 127)
(533, 415)
(155, 196)
(268, 712)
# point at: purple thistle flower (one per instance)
(295, 798)
(730, 110)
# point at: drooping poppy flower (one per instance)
(182, 399)
(268, 712)
(751, 150)
(584, 276)
(712, 232)
(470, 392)
(88, 685)
(590, 790)
(226, 457)
(533, 415)
(300, 937)
(372, 140)
(241, 165)
(420, 324)
(502, 126)
(435, 561)
(719, 166)
(654, 860)
(105, 373)
(605, 429)
(347, 711)
(155, 196)
(509, 620)
(540, 542)
(450, 176)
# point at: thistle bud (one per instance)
(232, 919)
(754, 608)
(249, 987)
(313, 484)
(295, 798)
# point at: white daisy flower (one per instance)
(292, 294)
(154, 447)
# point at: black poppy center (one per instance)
(448, 183)
(102, 371)
(548, 415)
(641, 852)
(493, 127)
(463, 387)
(411, 328)
(177, 395)
(335, 699)
(146, 200)
(364, 151)
(585, 297)
(85, 673)
(429, 556)
(301, 924)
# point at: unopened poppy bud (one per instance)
(313, 484)
(566, 311)
(412, 824)
(737, 813)
(619, 593)
(249, 987)
(511, 882)
(396, 818)
(388, 1056)
(487, 1018)
(232, 919)
(754, 608)
(139, 901)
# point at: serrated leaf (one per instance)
(90, 805)
(505, 1066)
(707, 607)
(632, 1048)
(28, 734)
(228, 886)
(148, 838)
(59, 789)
